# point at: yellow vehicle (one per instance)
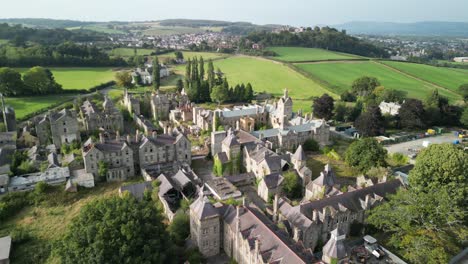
(431, 132)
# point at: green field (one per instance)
(297, 54)
(31, 104)
(80, 78)
(162, 30)
(340, 76)
(269, 76)
(128, 52)
(446, 77)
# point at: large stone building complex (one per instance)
(107, 117)
(58, 128)
(243, 233)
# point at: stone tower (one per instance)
(335, 250)
(205, 225)
(285, 106)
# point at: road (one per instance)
(417, 144)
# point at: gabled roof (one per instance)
(137, 190)
(299, 154)
(350, 200)
(335, 247)
(272, 181)
(5, 246)
(202, 208)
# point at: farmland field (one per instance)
(80, 78)
(309, 54)
(340, 76)
(269, 76)
(445, 77)
(162, 30)
(30, 104)
(127, 52)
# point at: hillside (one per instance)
(298, 54)
(339, 76)
(429, 28)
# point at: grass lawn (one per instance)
(340, 76)
(163, 30)
(30, 104)
(127, 52)
(191, 54)
(103, 28)
(47, 222)
(309, 54)
(446, 77)
(269, 76)
(80, 78)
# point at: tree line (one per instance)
(19, 35)
(367, 93)
(63, 54)
(212, 86)
(325, 38)
(35, 81)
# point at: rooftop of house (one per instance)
(223, 189)
(351, 200)
(273, 181)
(311, 125)
(5, 247)
(203, 209)
(274, 246)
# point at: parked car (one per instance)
(370, 244)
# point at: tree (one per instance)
(323, 107)
(441, 166)
(179, 85)
(188, 72)
(292, 185)
(364, 86)
(311, 145)
(348, 96)
(117, 230)
(249, 94)
(10, 82)
(123, 79)
(211, 74)
(340, 111)
(39, 80)
(201, 69)
(366, 153)
(179, 55)
(392, 95)
(463, 89)
(371, 122)
(103, 168)
(426, 227)
(464, 117)
(219, 94)
(411, 114)
(179, 229)
(156, 73)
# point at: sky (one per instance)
(286, 12)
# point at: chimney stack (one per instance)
(237, 125)
(101, 138)
(137, 135)
(154, 134)
(129, 139)
(117, 136)
(275, 208)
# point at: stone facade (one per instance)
(166, 148)
(389, 108)
(117, 154)
(108, 117)
(289, 138)
(131, 103)
(243, 233)
(58, 128)
(313, 221)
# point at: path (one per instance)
(417, 144)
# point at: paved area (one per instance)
(406, 147)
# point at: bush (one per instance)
(12, 203)
(399, 159)
(311, 145)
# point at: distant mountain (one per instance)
(429, 28)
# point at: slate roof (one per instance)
(299, 154)
(326, 178)
(113, 146)
(203, 209)
(239, 111)
(335, 247)
(294, 215)
(6, 156)
(274, 247)
(272, 181)
(230, 140)
(160, 140)
(222, 188)
(5, 247)
(137, 190)
(310, 126)
(223, 158)
(350, 200)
